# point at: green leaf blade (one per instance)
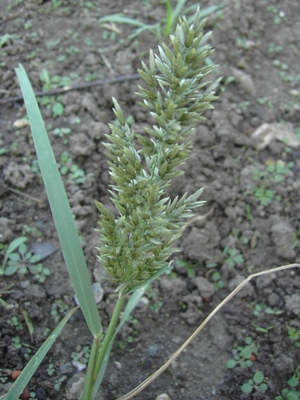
(61, 211)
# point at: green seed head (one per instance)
(136, 244)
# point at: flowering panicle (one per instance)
(137, 243)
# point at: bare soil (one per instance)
(250, 222)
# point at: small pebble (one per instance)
(25, 394)
(43, 249)
(273, 299)
(40, 393)
(163, 396)
(15, 374)
(65, 369)
(34, 291)
(24, 284)
(144, 301)
(21, 123)
(98, 293)
(175, 285)
(75, 386)
(17, 294)
(118, 365)
(292, 303)
(205, 288)
(78, 365)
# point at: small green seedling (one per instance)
(293, 392)
(16, 342)
(22, 260)
(232, 257)
(273, 48)
(261, 329)
(72, 50)
(296, 238)
(243, 356)
(61, 132)
(3, 379)
(214, 274)
(59, 382)
(132, 324)
(19, 259)
(265, 196)
(279, 15)
(50, 369)
(280, 64)
(265, 100)
(14, 322)
(53, 104)
(274, 173)
(262, 309)
(226, 82)
(10, 250)
(189, 266)
(59, 309)
(28, 25)
(217, 279)
(82, 355)
(4, 39)
(294, 335)
(244, 105)
(31, 230)
(56, 4)
(35, 169)
(45, 79)
(58, 109)
(258, 383)
(242, 239)
(71, 170)
(278, 170)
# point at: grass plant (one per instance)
(135, 245)
(165, 27)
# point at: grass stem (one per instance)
(88, 384)
(99, 351)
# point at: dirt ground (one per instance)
(246, 156)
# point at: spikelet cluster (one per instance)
(135, 245)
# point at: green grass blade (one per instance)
(178, 10)
(3, 304)
(210, 10)
(205, 12)
(151, 28)
(169, 18)
(25, 376)
(61, 211)
(119, 18)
